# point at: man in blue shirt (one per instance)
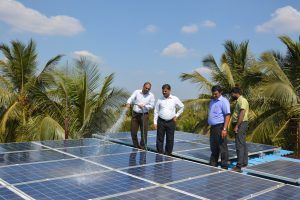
(218, 119)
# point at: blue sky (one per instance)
(141, 40)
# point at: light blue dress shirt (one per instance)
(218, 109)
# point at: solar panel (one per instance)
(287, 192)
(135, 158)
(97, 150)
(31, 156)
(226, 185)
(74, 143)
(280, 169)
(7, 194)
(196, 146)
(83, 187)
(153, 193)
(171, 171)
(24, 146)
(38, 171)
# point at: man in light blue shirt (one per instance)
(218, 119)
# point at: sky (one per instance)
(142, 40)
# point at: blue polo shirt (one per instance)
(218, 109)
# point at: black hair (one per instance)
(147, 83)
(236, 90)
(166, 86)
(216, 88)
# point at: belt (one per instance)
(145, 113)
(165, 120)
(217, 125)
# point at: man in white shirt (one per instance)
(165, 119)
(143, 101)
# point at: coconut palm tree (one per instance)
(19, 80)
(87, 103)
(278, 94)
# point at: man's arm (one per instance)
(130, 99)
(224, 131)
(179, 105)
(240, 120)
(150, 105)
(156, 109)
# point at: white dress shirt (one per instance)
(138, 97)
(165, 108)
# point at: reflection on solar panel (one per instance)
(135, 158)
(278, 169)
(171, 171)
(286, 192)
(30, 156)
(226, 185)
(74, 143)
(24, 146)
(192, 146)
(92, 169)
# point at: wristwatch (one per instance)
(224, 129)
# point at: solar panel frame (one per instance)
(6, 194)
(226, 185)
(60, 144)
(278, 169)
(83, 186)
(286, 192)
(164, 173)
(19, 147)
(40, 171)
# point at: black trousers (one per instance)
(137, 121)
(241, 145)
(165, 128)
(218, 146)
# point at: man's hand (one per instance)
(155, 126)
(141, 105)
(174, 119)
(236, 128)
(127, 105)
(224, 134)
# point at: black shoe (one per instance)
(236, 169)
(225, 168)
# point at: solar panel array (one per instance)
(192, 146)
(98, 169)
(279, 169)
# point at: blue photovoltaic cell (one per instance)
(24, 146)
(83, 187)
(30, 156)
(135, 158)
(171, 171)
(6, 194)
(97, 150)
(74, 143)
(154, 193)
(286, 192)
(128, 141)
(226, 185)
(182, 145)
(38, 171)
(118, 135)
(279, 169)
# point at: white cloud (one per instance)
(193, 28)
(208, 24)
(22, 18)
(175, 49)
(90, 56)
(151, 28)
(283, 20)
